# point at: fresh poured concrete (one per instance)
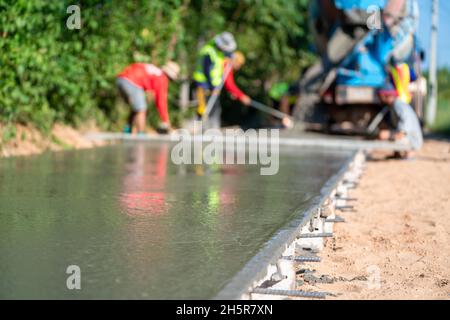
(139, 226)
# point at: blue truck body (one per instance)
(358, 41)
(359, 4)
(365, 66)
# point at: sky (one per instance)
(444, 30)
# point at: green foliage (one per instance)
(9, 132)
(443, 115)
(442, 123)
(444, 83)
(50, 73)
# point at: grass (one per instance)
(442, 124)
(7, 133)
(60, 143)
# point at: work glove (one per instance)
(287, 123)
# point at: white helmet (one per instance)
(226, 42)
(172, 70)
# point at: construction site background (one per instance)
(52, 74)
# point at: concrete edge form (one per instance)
(336, 144)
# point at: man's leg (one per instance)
(137, 100)
(123, 92)
(139, 105)
(130, 122)
(201, 100)
(140, 122)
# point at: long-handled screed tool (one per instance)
(213, 99)
(376, 121)
(255, 104)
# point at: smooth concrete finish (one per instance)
(139, 226)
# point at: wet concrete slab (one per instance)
(139, 226)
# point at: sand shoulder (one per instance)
(400, 230)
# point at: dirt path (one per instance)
(28, 140)
(399, 234)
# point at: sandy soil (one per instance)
(29, 140)
(396, 245)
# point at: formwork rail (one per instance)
(246, 283)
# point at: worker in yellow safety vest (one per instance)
(401, 77)
(210, 73)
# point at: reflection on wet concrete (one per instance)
(139, 226)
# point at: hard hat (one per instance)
(172, 70)
(225, 42)
(239, 58)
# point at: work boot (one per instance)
(163, 128)
(127, 129)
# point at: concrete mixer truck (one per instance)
(361, 44)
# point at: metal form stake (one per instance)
(335, 220)
(346, 199)
(342, 208)
(303, 259)
(315, 235)
(290, 293)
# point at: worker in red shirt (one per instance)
(137, 82)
